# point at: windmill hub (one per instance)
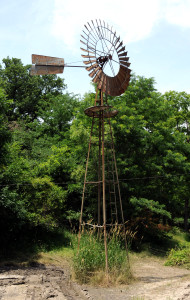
(102, 60)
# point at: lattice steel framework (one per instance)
(104, 52)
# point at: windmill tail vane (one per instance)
(43, 65)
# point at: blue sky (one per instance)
(156, 34)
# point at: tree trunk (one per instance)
(186, 215)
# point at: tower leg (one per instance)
(101, 113)
(119, 192)
(84, 187)
(104, 197)
(99, 173)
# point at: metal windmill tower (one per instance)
(107, 63)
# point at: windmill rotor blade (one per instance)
(87, 50)
(88, 56)
(98, 76)
(123, 54)
(94, 71)
(87, 62)
(125, 58)
(122, 49)
(125, 63)
(119, 45)
(107, 47)
(92, 67)
(47, 60)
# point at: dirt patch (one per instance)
(38, 283)
(153, 281)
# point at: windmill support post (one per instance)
(102, 112)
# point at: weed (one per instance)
(89, 261)
(179, 256)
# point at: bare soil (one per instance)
(152, 281)
(38, 283)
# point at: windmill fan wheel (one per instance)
(105, 58)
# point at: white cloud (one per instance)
(134, 20)
(178, 12)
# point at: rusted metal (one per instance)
(43, 70)
(92, 67)
(88, 56)
(47, 60)
(102, 41)
(111, 201)
(43, 65)
(120, 201)
(94, 111)
(104, 196)
(102, 46)
(89, 62)
(84, 187)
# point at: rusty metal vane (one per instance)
(46, 65)
(43, 65)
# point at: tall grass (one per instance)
(180, 255)
(89, 260)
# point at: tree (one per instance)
(30, 94)
(4, 132)
(152, 153)
(180, 104)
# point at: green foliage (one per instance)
(90, 259)
(44, 136)
(179, 257)
(143, 204)
(29, 94)
(45, 202)
(4, 133)
(32, 125)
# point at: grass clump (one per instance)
(180, 256)
(89, 261)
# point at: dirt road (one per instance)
(153, 281)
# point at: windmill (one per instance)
(106, 60)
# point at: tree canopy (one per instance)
(43, 148)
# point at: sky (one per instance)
(156, 34)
